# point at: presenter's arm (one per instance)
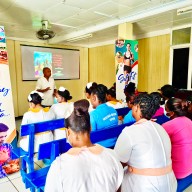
(39, 87)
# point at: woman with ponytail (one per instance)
(85, 167)
(179, 129)
(36, 113)
(62, 109)
(145, 149)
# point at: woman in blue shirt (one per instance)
(103, 116)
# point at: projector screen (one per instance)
(64, 63)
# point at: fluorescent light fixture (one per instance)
(103, 14)
(184, 10)
(78, 38)
(62, 25)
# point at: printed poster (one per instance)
(126, 61)
(7, 118)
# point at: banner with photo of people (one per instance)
(126, 61)
(7, 117)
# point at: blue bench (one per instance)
(50, 150)
(30, 130)
(36, 180)
(161, 119)
(183, 184)
(123, 111)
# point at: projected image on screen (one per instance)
(57, 66)
(41, 60)
(64, 63)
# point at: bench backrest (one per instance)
(41, 127)
(108, 133)
(54, 148)
(51, 150)
(161, 119)
(122, 111)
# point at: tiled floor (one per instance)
(13, 183)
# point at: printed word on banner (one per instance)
(126, 60)
(6, 101)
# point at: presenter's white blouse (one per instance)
(34, 116)
(145, 145)
(85, 172)
(42, 83)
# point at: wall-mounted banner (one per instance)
(7, 118)
(126, 60)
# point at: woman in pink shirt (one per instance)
(179, 129)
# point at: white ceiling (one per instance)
(73, 18)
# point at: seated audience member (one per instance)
(36, 114)
(130, 101)
(189, 107)
(6, 164)
(103, 116)
(167, 92)
(113, 102)
(88, 88)
(157, 98)
(179, 129)
(62, 109)
(111, 99)
(85, 167)
(130, 88)
(145, 149)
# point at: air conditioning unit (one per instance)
(184, 10)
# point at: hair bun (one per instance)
(81, 107)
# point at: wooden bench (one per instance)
(26, 158)
(36, 180)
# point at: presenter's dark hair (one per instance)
(147, 105)
(79, 120)
(100, 91)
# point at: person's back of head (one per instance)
(112, 93)
(35, 97)
(100, 90)
(174, 108)
(157, 98)
(167, 91)
(79, 120)
(90, 86)
(130, 99)
(147, 105)
(130, 88)
(63, 92)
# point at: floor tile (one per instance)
(5, 179)
(14, 175)
(18, 183)
(189, 189)
(7, 187)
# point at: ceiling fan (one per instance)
(45, 33)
